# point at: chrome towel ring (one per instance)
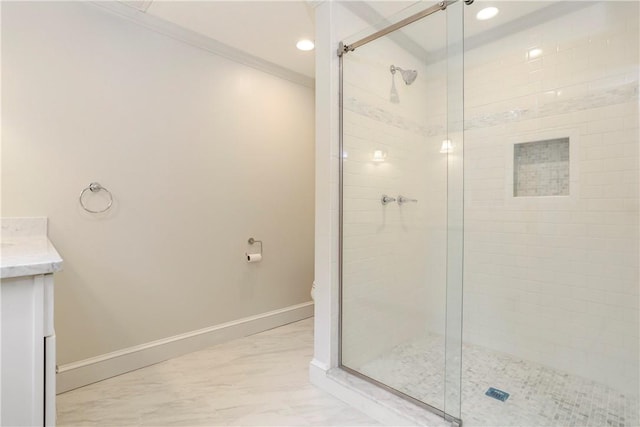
(95, 187)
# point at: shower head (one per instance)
(409, 76)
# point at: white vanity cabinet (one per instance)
(28, 351)
(27, 335)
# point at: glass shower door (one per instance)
(401, 210)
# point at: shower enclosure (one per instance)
(489, 172)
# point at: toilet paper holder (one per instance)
(254, 241)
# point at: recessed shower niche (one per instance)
(541, 168)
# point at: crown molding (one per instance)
(200, 41)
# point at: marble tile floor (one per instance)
(257, 380)
(539, 396)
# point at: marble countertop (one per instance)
(26, 253)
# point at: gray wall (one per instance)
(200, 152)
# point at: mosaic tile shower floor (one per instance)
(539, 396)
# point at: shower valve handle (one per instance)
(386, 199)
(402, 199)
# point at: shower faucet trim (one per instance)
(387, 199)
(402, 199)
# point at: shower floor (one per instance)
(539, 395)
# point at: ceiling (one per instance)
(266, 29)
(269, 29)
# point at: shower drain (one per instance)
(497, 394)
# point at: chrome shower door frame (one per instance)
(453, 338)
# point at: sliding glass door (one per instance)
(401, 208)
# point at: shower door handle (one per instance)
(402, 199)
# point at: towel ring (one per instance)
(94, 187)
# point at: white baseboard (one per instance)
(87, 371)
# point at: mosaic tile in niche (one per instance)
(541, 168)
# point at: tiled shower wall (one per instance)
(388, 296)
(551, 279)
(555, 279)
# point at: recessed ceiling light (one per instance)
(305, 44)
(487, 13)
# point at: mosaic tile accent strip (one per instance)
(382, 115)
(539, 396)
(541, 168)
(618, 95)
